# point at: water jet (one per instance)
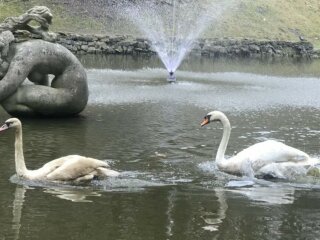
(171, 77)
(173, 26)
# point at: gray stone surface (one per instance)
(66, 94)
(22, 57)
(226, 47)
(39, 14)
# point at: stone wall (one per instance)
(105, 44)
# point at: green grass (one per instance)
(10, 8)
(256, 19)
(272, 19)
(63, 18)
(73, 23)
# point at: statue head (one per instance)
(42, 11)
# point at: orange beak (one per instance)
(205, 121)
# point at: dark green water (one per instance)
(149, 130)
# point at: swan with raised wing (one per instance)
(68, 168)
(257, 156)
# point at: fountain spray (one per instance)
(173, 26)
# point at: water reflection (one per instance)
(210, 220)
(171, 205)
(272, 194)
(169, 187)
(179, 211)
(74, 195)
(214, 220)
(71, 194)
(17, 210)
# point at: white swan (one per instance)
(258, 156)
(68, 168)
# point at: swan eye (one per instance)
(8, 124)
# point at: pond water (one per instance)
(150, 131)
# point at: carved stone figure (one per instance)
(39, 14)
(66, 94)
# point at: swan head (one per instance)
(212, 117)
(10, 123)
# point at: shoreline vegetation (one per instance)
(276, 28)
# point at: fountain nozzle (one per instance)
(171, 78)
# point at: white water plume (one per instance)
(173, 26)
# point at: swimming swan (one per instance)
(257, 156)
(68, 168)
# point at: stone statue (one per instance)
(64, 95)
(39, 14)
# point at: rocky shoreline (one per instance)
(226, 47)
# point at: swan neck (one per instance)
(225, 138)
(21, 168)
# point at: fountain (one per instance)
(173, 26)
(171, 77)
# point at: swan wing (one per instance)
(250, 160)
(272, 151)
(287, 169)
(47, 168)
(75, 167)
(52, 165)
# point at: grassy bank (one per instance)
(258, 19)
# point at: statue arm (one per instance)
(7, 89)
(11, 81)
